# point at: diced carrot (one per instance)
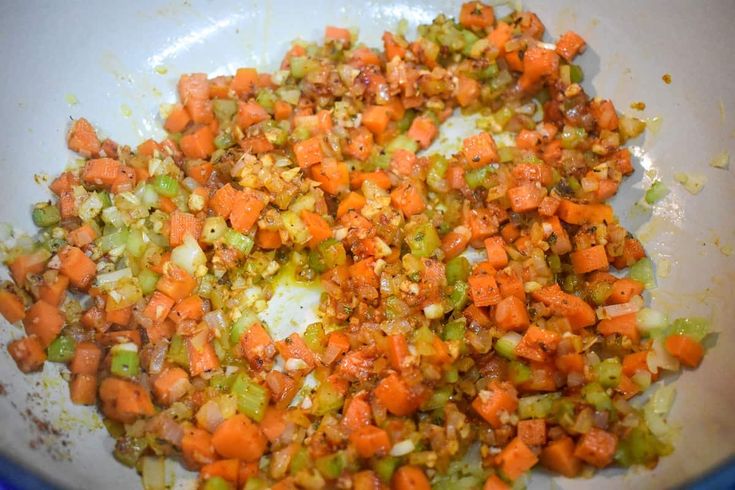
(511, 314)
(193, 86)
(83, 389)
(569, 45)
(282, 110)
(28, 353)
(229, 437)
(423, 131)
(410, 478)
(468, 90)
(495, 483)
(24, 265)
(227, 469)
(308, 152)
(559, 456)
(479, 150)
(623, 290)
(375, 118)
(101, 171)
(317, 226)
(258, 346)
(596, 447)
(496, 254)
(283, 388)
(548, 206)
(356, 413)
(273, 423)
(166, 204)
(577, 311)
(366, 480)
(396, 396)
(408, 199)
(159, 306)
(510, 284)
(632, 252)
(391, 47)
(197, 448)
(245, 81)
(268, 239)
(397, 351)
(627, 387)
(82, 138)
(570, 363)
(475, 314)
(147, 148)
(333, 176)
(455, 242)
(182, 224)
(483, 287)
(635, 362)
(190, 308)
(245, 211)
(202, 358)
(579, 214)
(178, 119)
(81, 236)
(199, 171)
(11, 306)
(250, 113)
(515, 459)
(170, 385)
(364, 56)
(686, 349)
(67, 205)
(359, 144)
(537, 343)
(160, 331)
(124, 401)
(176, 283)
(332, 33)
(499, 398)
(43, 320)
(223, 200)
(402, 161)
(589, 259)
(370, 441)
(352, 202)
(120, 337)
(500, 36)
(526, 197)
(294, 347)
(532, 432)
(538, 63)
(624, 325)
(378, 178)
(476, 15)
(119, 316)
(542, 378)
(198, 144)
(558, 238)
(86, 360)
(64, 182)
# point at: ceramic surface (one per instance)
(109, 57)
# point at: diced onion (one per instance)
(111, 278)
(189, 256)
(614, 311)
(402, 448)
(434, 311)
(649, 319)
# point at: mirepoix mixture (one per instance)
(430, 367)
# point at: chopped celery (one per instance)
(571, 283)
(147, 280)
(537, 406)
(266, 98)
(454, 330)
(378, 159)
(314, 337)
(255, 483)
(385, 468)
(650, 320)
(302, 66)
(695, 327)
(576, 74)
(328, 254)
(640, 447)
(439, 399)
(238, 241)
(135, 244)
(599, 291)
(554, 263)
(224, 140)
(518, 372)
(224, 109)
(460, 295)
(452, 375)
(642, 271)
(221, 382)
(505, 346)
(609, 372)
(61, 349)
(45, 214)
(571, 137)
(476, 178)
(406, 120)
(129, 449)
(217, 483)
(177, 352)
(125, 360)
(113, 240)
(331, 466)
(300, 461)
(458, 269)
(422, 239)
(252, 399)
(595, 395)
(656, 192)
(166, 186)
(437, 170)
(241, 326)
(401, 142)
(326, 399)
(489, 72)
(506, 154)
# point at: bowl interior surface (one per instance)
(120, 60)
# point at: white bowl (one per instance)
(105, 55)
